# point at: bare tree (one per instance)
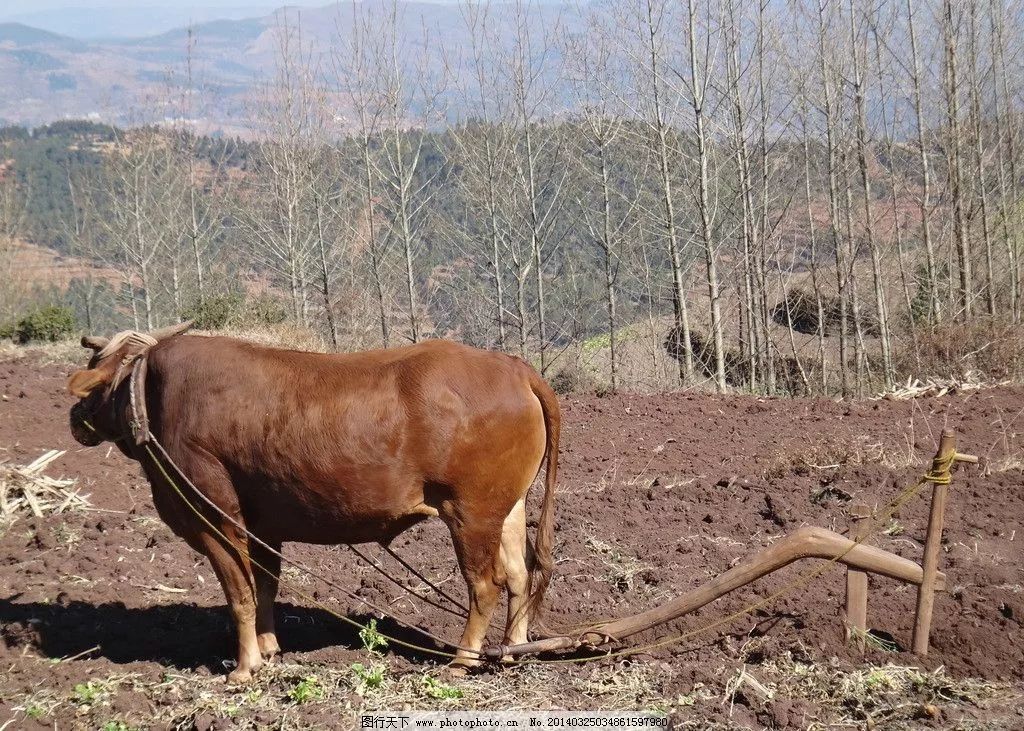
(408, 93)
(858, 50)
(749, 321)
(539, 148)
(355, 65)
(931, 281)
(607, 202)
(654, 112)
(832, 144)
(140, 190)
(14, 200)
(1006, 162)
(483, 149)
(950, 27)
(278, 219)
(698, 83)
(978, 156)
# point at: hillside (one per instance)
(130, 81)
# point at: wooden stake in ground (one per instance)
(942, 464)
(857, 581)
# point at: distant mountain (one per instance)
(96, 23)
(19, 35)
(48, 76)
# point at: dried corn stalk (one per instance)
(25, 490)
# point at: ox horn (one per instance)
(95, 342)
(169, 332)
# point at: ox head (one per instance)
(99, 414)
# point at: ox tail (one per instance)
(541, 561)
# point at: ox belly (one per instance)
(329, 512)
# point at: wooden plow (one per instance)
(807, 542)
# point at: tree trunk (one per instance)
(881, 306)
(956, 182)
(931, 278)
(704, 204)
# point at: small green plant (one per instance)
(372, 639)
(219, 311)
(88, 693)
(434, 688)
(35, 712)
(877, 679)
(597, 342)
(368, 678)
(307, 689)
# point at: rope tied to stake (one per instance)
(941, 472)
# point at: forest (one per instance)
(794, 197)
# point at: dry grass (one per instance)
(25, 490)
(915, 388)
(876, 697)
(833, 454)
(303, 696)
(43, 354)
(285, 335)
(1003, 454)
(621, 569)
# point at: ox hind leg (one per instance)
(477, 548)
(517, 577)
(267, 573)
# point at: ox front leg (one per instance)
(231, 565)
(477, 549)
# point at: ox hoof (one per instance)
(458, 668)
(268, 646)
(239, 676)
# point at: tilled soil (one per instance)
(657, 494)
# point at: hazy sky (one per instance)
(136, 18)
(17, 7)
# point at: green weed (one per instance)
(307, 689)
(372, 639)
(438, 690)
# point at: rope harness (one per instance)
(138, 423)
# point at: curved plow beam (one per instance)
(806, 542)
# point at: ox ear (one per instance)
(95, 342)
(82, 383)
(169, 332)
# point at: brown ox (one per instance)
(337, 449)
